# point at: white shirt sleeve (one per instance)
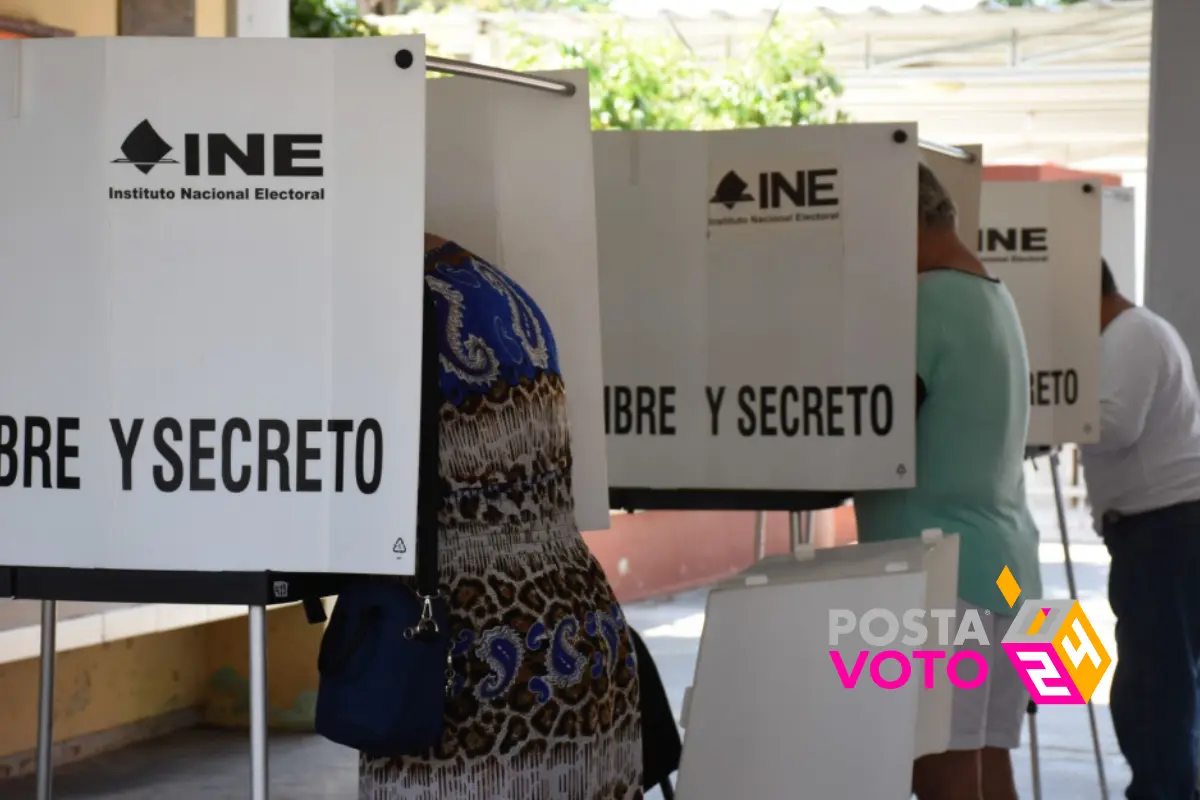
(1131, 361)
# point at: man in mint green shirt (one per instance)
(972, 419)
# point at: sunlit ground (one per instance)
(210, 765)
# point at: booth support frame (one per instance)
(109, 585)
(1060, 508)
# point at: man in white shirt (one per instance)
(1143, 480)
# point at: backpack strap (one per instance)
(430, 487)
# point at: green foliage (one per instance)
(785, 83)
(659, 85)
(326, 19)
(643, 84)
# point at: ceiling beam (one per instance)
(1106, 43)
(1010, 38)
(1004, 75)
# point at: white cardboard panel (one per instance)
(1118, 237)
(1042, 238)
(699, 298)
(207, 308)
(760, 727)
(510, 178)
(964, 181)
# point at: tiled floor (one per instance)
(203, 765)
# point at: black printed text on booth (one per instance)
(200, 454)
(754, 411)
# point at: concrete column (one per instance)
(1172, 265)
(256, 18)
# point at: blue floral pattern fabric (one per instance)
(545, 701)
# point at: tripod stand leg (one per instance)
(796, 526)
(1031, 712)
(1060, 507)
(45, 734)
(259, 777)
(760, 535)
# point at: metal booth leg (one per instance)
(259, 777)
(45, 738)
(1031, 711)
(760, 535)
(1062, 528)
(801, 524)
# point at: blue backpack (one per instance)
(384, 662)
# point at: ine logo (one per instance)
(293, 155)
(1013, 245)
(804, 196)
(288, 155)
(731, 191)
(145, 149)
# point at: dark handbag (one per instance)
(384, 661)
(662, 747)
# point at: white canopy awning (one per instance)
(1063, 84)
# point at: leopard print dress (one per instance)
(545, 705)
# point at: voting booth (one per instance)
(769, 715)
(510, 179)
(758, 305)
(1043, 240)
(213, 308)
(1118, 238)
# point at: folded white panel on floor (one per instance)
(769, 715)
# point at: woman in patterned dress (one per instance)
(546, 701)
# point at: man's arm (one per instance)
(1130, 362)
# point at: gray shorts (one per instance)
(992, 714)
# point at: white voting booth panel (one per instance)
(758, 301)
(212, 303)
(510, 178)
(963, 179)
(1043, 240)
(1118, 237)
(768, 716)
